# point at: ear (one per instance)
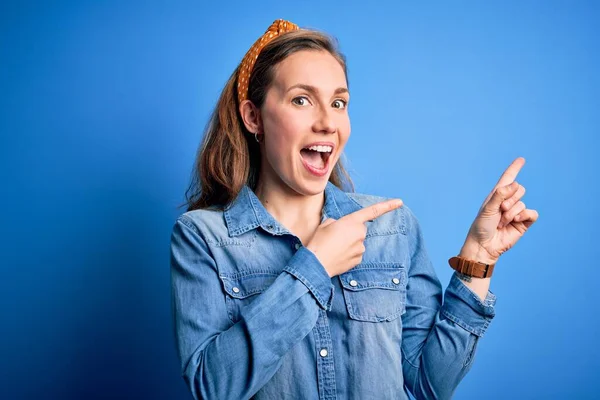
(251, 116)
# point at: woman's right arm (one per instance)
(221, 360)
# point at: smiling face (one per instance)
(305, 122)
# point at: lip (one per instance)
(318, 171)
(331, 144)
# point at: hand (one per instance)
(339, 244)
(501, 221)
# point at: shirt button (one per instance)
(396, 281)
(353, 283)
(323, 353)
(297, 246)
(236, 289)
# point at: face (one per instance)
(305, 122)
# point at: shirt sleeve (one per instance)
(438, 340)
(223, 360)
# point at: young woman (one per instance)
(284, 285)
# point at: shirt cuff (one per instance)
(307, 268)
(465, 308)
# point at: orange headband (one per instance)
(277, 28)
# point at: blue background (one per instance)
(103, 105)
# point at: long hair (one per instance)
(229, 157)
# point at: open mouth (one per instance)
(316, 156)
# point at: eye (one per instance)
(300, 101)
(339, 103)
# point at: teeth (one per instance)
(321, 149)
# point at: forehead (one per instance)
(315, 68)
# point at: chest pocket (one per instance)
(375, 292)
(241, 290)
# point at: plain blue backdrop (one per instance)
(103, 106)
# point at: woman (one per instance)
(286, 286)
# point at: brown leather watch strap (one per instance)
(471, 268)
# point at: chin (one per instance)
(302, 183)
(309, 187)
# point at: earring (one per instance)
(256, 137)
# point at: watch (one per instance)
(471, 268)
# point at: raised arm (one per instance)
(438, 341)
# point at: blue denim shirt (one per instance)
(257, 316)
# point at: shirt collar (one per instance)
(246, 212)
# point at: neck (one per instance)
(295, 211)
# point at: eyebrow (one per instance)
(313, 89)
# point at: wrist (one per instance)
(475, 252)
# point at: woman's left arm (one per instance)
(501, 222)
(439, 339)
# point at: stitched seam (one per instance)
(252, 199)
(336, 205)
(228, 221)
(378, 265)
(403, 228)
(228, 302)
(361, 287)
(246, 228)
(233, 242)
(383, 233)
(243, 274)
(247, 293)
(189, 223)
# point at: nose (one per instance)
(324, 122)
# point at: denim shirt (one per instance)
(257, 316)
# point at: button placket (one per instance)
(325, 360)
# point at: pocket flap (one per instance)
(375, 292)
(386, 276)
(242, 286)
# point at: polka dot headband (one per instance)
(277, 28)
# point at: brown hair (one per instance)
(229, 156)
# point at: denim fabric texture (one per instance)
(257, 316)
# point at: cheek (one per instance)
(285, 128)
(279, 140)
(344, 128)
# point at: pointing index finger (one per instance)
(375, 210)
(511, 172)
